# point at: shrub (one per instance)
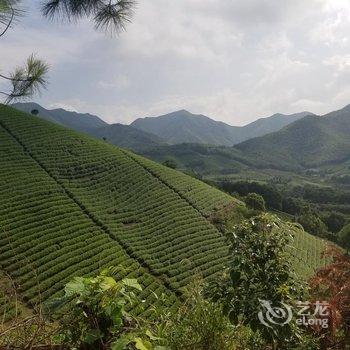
(170, 163)
(313, 224)
(334, 221)
(344, 237)
(255, 201)
(200, 324)
(259, 269)
(94, 312)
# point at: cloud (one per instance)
(232, 60)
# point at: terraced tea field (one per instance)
(71, 205)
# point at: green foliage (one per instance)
(294, 206)
(96, 313)
(271, 196)
(255, 201)
(72, 205)
(170, 163)
(334, 221)
(307, 143)
(313, 224)
(27, 80)
(199, 324)
(107, 15)
(228, 216)
(34, 112)
(344, 237)
(259, 269)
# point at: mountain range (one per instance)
(185, 127)
(117, 134)
(287, 142)
(173, 128)
(83, 122)
(309, 142)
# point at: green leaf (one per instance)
(130, 282)
(107, 283)
(92, 335)
(121, 343)
(76, 286)
(151, 336)
(142, 344)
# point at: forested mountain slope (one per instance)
(185, 127)
(127, 137)
(309, 142)
(84, 122)
(71, 205)
(116, 134)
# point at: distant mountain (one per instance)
(83, 122)
(203, 159)
(128, 137)
(309, 142)
(117, 134)
(185, 127)
(264, 126)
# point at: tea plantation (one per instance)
(71, 205)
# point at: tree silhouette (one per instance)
(111, 16)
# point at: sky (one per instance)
(231, 60)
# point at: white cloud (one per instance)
(232, 60)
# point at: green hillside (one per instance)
(71, 205)
(185, 127)
(203, 159)
(83, 122)
(127, 137)
(309, 142)
(116, 134)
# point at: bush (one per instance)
(259, 270)
(170, 163)
(344, 237)
(313, 224)
(200, 324)
(255, 201)
(271, 195)
(334, 221)
(94, 313)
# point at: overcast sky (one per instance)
(233, 60)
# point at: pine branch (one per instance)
(27, 80)
(111, 16)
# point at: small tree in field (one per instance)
(170, 163)
(259, 273)
(344, 237)
(255, 201)
(96, 317)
